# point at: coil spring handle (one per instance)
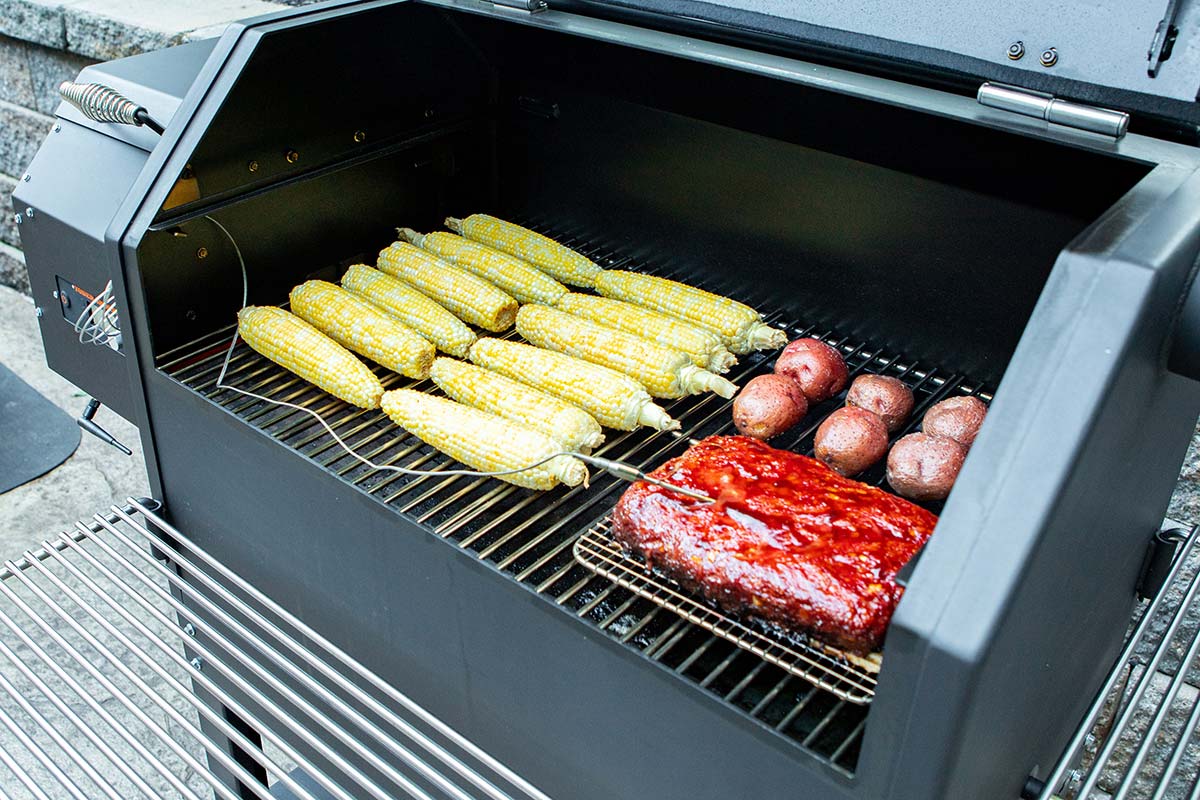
(105, 104)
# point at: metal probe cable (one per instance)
(618, 469)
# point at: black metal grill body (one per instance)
(923, 233)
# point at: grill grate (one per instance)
(846, 676)
(530, 535)
(121, 644)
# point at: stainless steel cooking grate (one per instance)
(1140, 739)
(529, 535)
(121, 646)
(846, 676)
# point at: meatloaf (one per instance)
(788, 539)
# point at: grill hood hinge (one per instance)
(532, 6)
(1048, 107)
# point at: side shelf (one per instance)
(134, 664)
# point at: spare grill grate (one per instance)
(530, 534)
(1139, 740)
(125, 649)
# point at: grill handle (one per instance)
(104, 104)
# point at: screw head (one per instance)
(1016, 50)
(1089, 742)
(292, 156)
(29, 212)
(202, 253)
(1049, 57)
(189, 629)
(58, 128)
(54, 294)
(39, 312)
(252, 166)
(197, 663)
(428, 113)
(27, 177)
(1074, 777)
(190, 315)
(360, 136)
(17, 218)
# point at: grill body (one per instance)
(962, 246)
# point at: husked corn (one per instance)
(514, 275)
(613, 399)
(490, 391)
(560, 261)
(664, 372)
(740, 327)
(468, 296)
(483, 441)
(356, 324)
(701, 345)
(299, 347)
(414, 309)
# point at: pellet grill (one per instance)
(1001, 202)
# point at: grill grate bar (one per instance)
(245, 654)
(531, 535)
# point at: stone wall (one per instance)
(44, 42)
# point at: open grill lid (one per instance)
(1140, 56)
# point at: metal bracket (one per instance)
(1164, 38)
(1050, 108)
(531, 6)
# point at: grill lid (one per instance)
(1141, 56)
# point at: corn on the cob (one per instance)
(297, 346)
(468, 296)
(612, 398)
(490, 391)
(361, 327)
(411, 307)
(560, 261)
(663, 371)
(740, 327)
(514, 275)
(483, 441)
(701, 345)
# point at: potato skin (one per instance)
(958, 418)
(818, 368)
(884, 395)
(850, 440)
(767, 406)
(923, 466)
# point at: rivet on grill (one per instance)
(189, 629)
(360, 136)
(1049, 57)
(1089, 743)
(202, 252)
(1074, 777)
(292, 156)
(197, 663)
(1016, 50)
(252, 166)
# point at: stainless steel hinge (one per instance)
(1050, 108)
(532, 6)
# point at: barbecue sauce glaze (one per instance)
(788, 539)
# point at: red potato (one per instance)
(850, 440)
(818, 368)
(768, 405)
(958, 418)
(923, 466)
(886, 396)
